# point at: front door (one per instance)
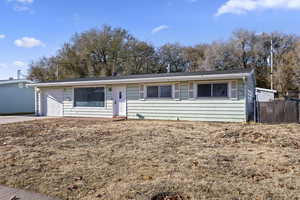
(119, 98)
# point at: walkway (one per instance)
(15, 194)
(19, 118)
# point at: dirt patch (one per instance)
(105, 160)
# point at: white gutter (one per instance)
(266, 90)
(15, 81)
(143, 80)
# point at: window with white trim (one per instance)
(191, 90)
(159, 91)
(234, 90)
(212, 90)
(177, 91)
(142, 96)
(89, 97)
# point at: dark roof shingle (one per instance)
(154, 75)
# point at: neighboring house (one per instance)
(265, 95)
(16, 97)
(202, 96)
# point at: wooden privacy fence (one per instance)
(279, 111)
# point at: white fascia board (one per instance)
(143, 80)
(266, 90)
(15, 81)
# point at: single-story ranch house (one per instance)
(202, 96)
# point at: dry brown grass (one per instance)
(101, 159)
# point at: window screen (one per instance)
(204, 90)
(213, 90)
(163, 91)
(89, 97)
(220, 90)
(152, 91)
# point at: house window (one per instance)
(220, 90)
(204, 90)
(89, 97)
(162, 91)
(213, 90)
(152, 91)
(165, 91)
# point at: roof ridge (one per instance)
(154, 75)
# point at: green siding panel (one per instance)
(15, 99)
(225, 110)
(70, 111)
(205, 109)
(133, 92)
(184, 91)
(241, 90)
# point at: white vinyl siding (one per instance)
(177, 91)
(213, 109)
(191, 90)
(182, 108)
(142, 91)
(234, 89)
(71, 111)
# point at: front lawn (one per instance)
(120, 160)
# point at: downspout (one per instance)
(63, 102)
(255, 98)
(37, 101)
(255, 106)
(255, 109)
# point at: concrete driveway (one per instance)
(19, 118)
(7, 193)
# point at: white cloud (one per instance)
(22, 1)
(22, 5)
(2, 36)
(28, 42)
(21, 8)
(243, 6)
(20, 64)
(25, 1)
(3, 65)
(159, 28)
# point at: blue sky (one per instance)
(30, 29)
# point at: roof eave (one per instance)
(266, 90)
(16, 81)
(143, 80)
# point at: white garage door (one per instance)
(53, 102)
